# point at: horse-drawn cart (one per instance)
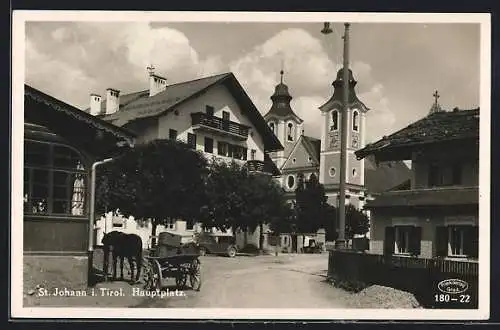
(172, 259)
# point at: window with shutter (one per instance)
(403, 239)
(474, 253)
(459, 243)
(192, 140)
(389, 241)
(209, 145)
(471, 241)
(441, 241)
(172, 134)
(415, 240)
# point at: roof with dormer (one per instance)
(139, 105)
(281, 107)
(337, 99)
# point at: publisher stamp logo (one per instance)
(453, 286)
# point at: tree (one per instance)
(242, 201)
(162, 180)
(357, 223)
(311, 205)
(225, 191)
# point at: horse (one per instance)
(122, 246)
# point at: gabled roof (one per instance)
(314, 146)
(311, 147)
(438, 127)
(140, 105)
(46, 116)
(385, 176)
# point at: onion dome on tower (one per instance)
(337, 99)
(281, 102)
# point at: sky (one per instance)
(398, 66)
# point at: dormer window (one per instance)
(335, 121)
(290, 132)
(355, 121)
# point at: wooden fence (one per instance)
(416, 275)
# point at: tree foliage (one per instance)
(311, 205)
(313, 212)
(160, 180)
(241, 201)
(356, 222)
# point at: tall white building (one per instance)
(213, 115)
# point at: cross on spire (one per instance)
(436, 96)
(282, 72)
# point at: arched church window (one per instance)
(335, 121)
(271, 126)
(355, 121)
(290, 132)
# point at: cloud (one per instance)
(72, 60)
(56, 77)
(309, 74)
(90, 57)
(307, 66)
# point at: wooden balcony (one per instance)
(257, 167)
(215, 125)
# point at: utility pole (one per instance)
(340, 242)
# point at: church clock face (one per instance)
(355, 141)
(334, 140)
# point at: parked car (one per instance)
(217, 243)
(311, 246)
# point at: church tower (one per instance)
(283, 121)
(331, 112)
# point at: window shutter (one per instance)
(415, 240)
(441, 241)
(389, 241)
(475, 242)
(471, 241)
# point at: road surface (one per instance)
(285, 281)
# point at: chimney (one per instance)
(112, 100)
(95, 104)
(157, 84)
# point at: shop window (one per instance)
(56, 184)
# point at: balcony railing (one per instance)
(219, 125)
(257, 166)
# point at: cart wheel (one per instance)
(180, 280)
(231, 252)
(151, 274)
(195, 275)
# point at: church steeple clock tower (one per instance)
(331, 112)
(283, 121)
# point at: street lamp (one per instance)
(340, 242)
